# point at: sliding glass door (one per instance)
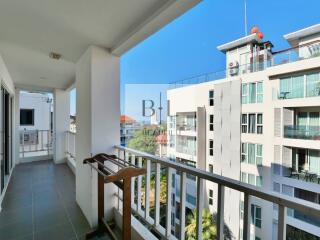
(6, 137)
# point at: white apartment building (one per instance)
(35, 111)
(259, 125)
(36, 126)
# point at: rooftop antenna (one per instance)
(245, 18)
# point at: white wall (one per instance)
(61, 123)
(42, 108)
(98, 123)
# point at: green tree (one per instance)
(144, 140)
(209, 227)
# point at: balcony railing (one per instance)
(186, 127)
(71, 148)
(71, 144)
(155, 166)
(290, 55)
(302, 132)
(302, 174)
(182, 148)
(35, 143)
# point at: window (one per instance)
(211, 147)
(244, 93)
(256, 215)
(244, 152)
(251, 153)
(313, 84)
(211, 98)
(244, 123)
(211, 122)
(259, 181)
(259, 92)
(27, 117)
(259, 154)
(211, 168)
(252, 92)
(244, 177)
(251, 179)
(252, 123)
(259, 123)
(292, 87)
(173, 184)
(210, 197)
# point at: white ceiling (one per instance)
(31, 29)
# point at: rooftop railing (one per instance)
(155, 166)
(302, 52)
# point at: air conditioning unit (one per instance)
(234, 68)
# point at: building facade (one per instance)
(259, 125)
(128, 126)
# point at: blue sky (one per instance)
(187, 46)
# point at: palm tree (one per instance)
(209, 227)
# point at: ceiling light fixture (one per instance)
(55, 56)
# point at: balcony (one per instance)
(303, 165)
(36, 143)
(302, 132)
(152, 213)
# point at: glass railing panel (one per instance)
(302, 132)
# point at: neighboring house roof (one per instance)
(126, 119)
(161, 139)
(239, 42)
(294, 37)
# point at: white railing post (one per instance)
(48, 140)
(168, 207)
(147, 189)
(67, 143)
(23, 144)
(199, 207)
(282, 222)
(139, 186)
(121, 156)
(246, 217)
(220, 212)
(183, 179)
(133, 180)
(157, 195)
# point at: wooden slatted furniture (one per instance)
(122, 179)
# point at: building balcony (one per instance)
(302, 164)
(302, 132)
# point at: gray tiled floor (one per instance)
(40, 204)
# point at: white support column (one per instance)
(61, 124)
(98, 127)
(16, 143)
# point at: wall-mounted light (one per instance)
(55, 56)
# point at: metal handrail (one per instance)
(69, 148)
(283, 201)
(40, 141)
